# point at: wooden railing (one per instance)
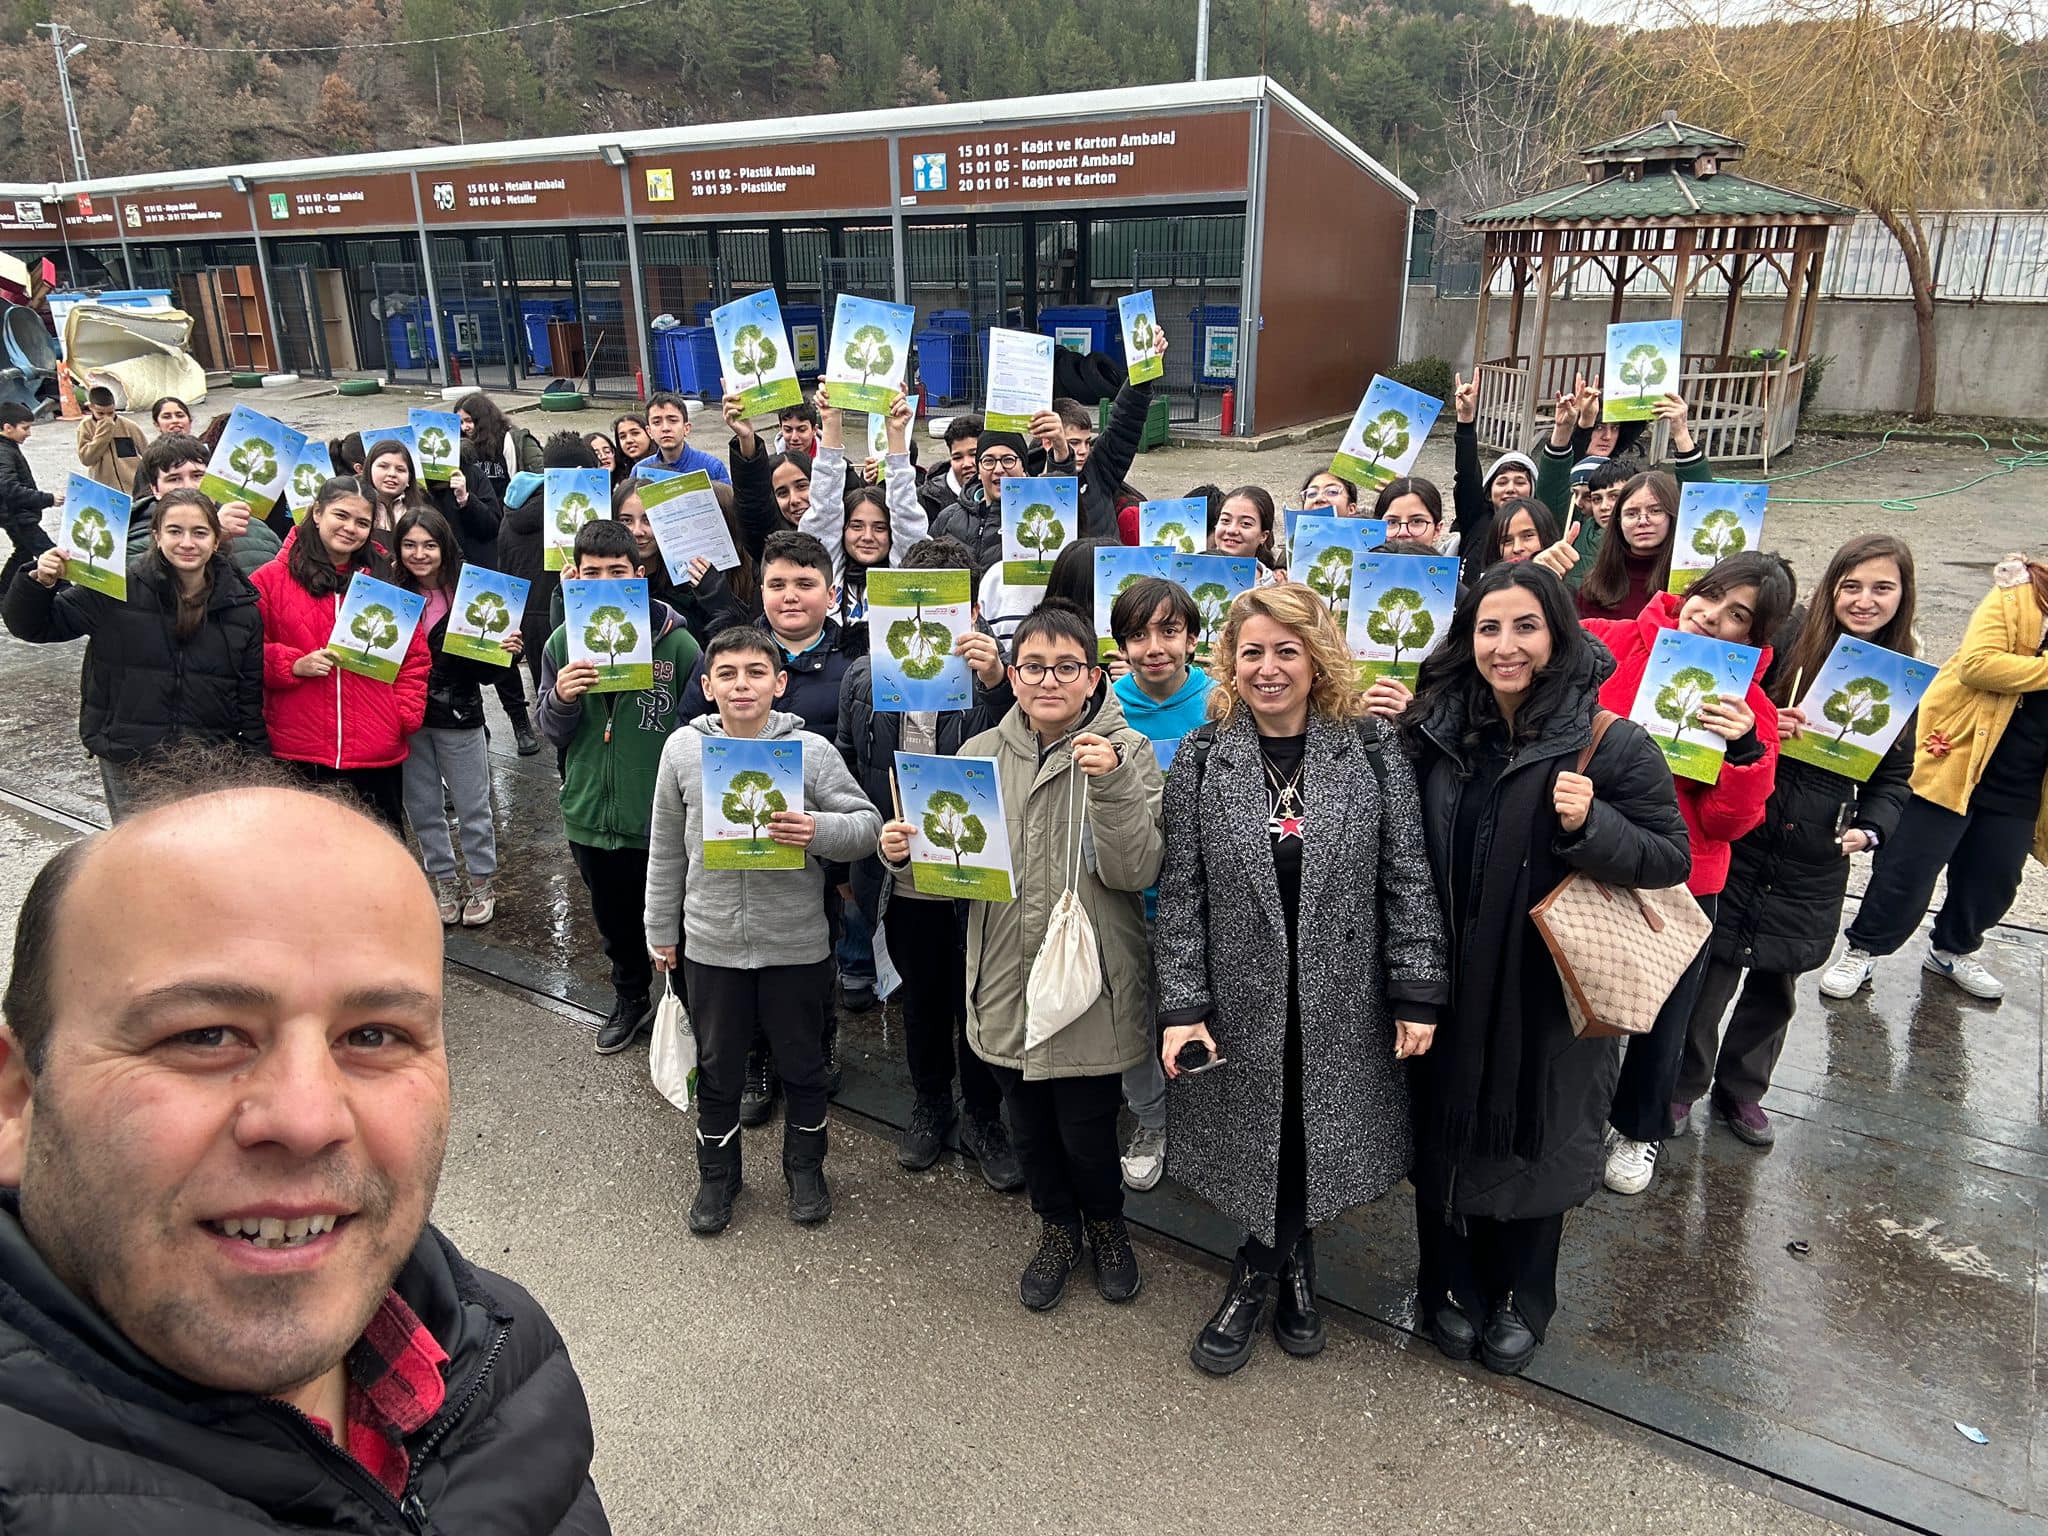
(1741, 416)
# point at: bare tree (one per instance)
(1897, 106)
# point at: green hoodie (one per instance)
(611, 742)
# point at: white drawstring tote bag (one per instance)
(1066, 974)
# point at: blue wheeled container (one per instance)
(1215, 343)
(1083, 328)
(686, 362)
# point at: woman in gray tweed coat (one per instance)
(1300, 951)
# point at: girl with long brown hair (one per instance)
(1787, 878)
(1635, 557)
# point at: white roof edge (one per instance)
(1338, 142)
(834, 125)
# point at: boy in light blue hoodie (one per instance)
(1156, 626)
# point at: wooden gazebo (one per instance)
(1658, 202)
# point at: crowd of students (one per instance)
(1309, 901)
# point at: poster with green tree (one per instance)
(1322, 550)
(95, 540)
(484, 612)
(1860, 700)
(1181, 525)
(1684, 672)
(1386, 433)
(1400, 608)
(1118, 566)
(250, 464)
(1213, 582)
(609, 623)
(746, 781)
(374, 627)
(406, 438)
(1716, 519)
(438, 437)
(1642, 366)
(914, 617)
(1144, 340)
(960, 842)
(571, 498)
(1039, 519)
(755, 355)
(869, 352)
(313, 468)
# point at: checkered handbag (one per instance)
(1619, 952)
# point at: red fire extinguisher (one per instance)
(1228, 423)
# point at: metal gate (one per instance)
(399, 317)
(302, 334)
(604, 306)
(477, 323)
(1180, 288)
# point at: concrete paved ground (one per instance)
(878, 1374)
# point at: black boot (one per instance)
(1508, 1343)
(1297, 1325)
(921, 1141)
(631, 1013)
(522, 731)
(985, 1139)
(1452, 1331)
(718, 1181)
(1044, 1279)
(757, 1097)
(803, 1167)
(1116, 1267)
(1226, 1340)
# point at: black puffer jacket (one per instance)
(1782, 905)
(96, 1437)
(142, 689)
(1635, 837)
(455, 685)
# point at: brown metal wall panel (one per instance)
(379, 201)
(1106, 161)
(831, 176)
(27, 221)
(530, 192)
(201, 213)
(1334, 260)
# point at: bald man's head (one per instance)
(228, 1108)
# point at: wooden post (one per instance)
(1736, 279)
(1486, 268)
(1625, 242)
(1681, 271)
(1533, 388)
(1521, 271)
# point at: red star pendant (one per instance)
(1284, 827)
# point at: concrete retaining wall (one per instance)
(1991, 359)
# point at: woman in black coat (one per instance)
(1786, 880)
(180, 660)
(1510, 1106)
(1288, 808)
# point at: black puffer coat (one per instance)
(1782, 905)
(1634, 837)
(96, 1437)
(455, 685)
(142, 689)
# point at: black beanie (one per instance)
(1011, 440)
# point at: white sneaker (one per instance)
(1965, 972)
(1848, 975)
(1145, 1159)
(1631, 1165)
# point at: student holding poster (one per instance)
(1716, 519)
(1144, 340)
(449, 753)
(1980, 765)
(181, 659)
(1738, 605)
(331, 724)
(573, 498)
(752, 943)
(1643, 363)
(1787, 878)
(861, 531)
(1019, 379)
(251, 460)
(1386, 433)
(755, 355)
(1067, 762)
(869, 353)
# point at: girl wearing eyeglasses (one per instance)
(1080, 794)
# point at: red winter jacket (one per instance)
(343, 720)
(1715, 814)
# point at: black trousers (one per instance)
(727, 1006)
(1476, 1262)
(1736, 1062)
(1290, 1209)
(617, 881)
(931, 957)
(1064, 1130)
(30, 543)
(382, 790)
(1649, 1071)
(512, 694)
(1984, 854)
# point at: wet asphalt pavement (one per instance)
(881, 1376)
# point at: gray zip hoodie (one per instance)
(749, 919)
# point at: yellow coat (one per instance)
(1972, 698)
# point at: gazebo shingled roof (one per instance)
(1658, 201)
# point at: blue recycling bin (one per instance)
(949, 320)
(407, 342)
(943, 358)
(686, 361)
(1215, 343)
(1083, 328)
(534, 317)
(806, 326)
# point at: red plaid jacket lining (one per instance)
(394, 1387)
